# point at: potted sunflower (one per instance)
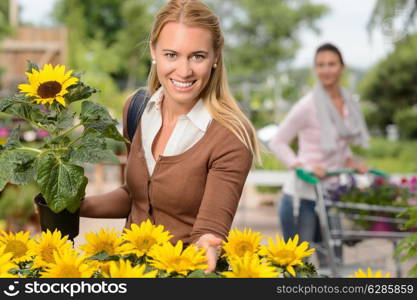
(56, 164)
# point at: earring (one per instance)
(214, 66)
(153, 62)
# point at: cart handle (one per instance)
(310, 178)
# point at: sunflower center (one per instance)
(47, 254)
(18, 248)
(108, 247)
(242, 247)
(285, 257)
(49, 89)
(145, 243)
(68, 271)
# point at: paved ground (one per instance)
(258, 211)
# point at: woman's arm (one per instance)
(115, 204)
(287, 131)
(225, 180)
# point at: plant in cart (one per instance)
(382, 193)
(56, 165)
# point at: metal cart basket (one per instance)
(330, 214)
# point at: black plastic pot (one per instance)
(66, 222)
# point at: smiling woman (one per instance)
(193, 149)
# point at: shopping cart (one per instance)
(331, 213)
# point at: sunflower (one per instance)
(361, 274)
(124, 269)
(45, 245)
(48, 84)
(173, 259)
(250, 266)
(104, 240)
(101, 266)
(6, 264)
(239, 243)
(287, 254)
(18, 244)
(141, 239)
(67, 264)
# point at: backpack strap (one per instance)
(135, 111)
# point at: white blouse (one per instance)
(189, 129)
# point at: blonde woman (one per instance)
(193, 148)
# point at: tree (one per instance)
(262, 34)
(387, 12)
(391, 85)
(4, 18)
(108, 33)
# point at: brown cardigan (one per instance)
(190, 194)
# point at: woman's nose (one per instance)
(184, 68)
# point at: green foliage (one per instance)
(108, 37)
(386, 13)
(62, 184)
(92, 148)
(389, 156)
(406, 121)
(390, 86)
(382, 193)
(269, 162)
(407, 247)
(57, 164)
(17, 202)
(260, 34)
(4, 19)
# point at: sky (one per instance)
(344, 25)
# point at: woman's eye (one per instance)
(198, 57)
(170, 55)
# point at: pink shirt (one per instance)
(302, 122)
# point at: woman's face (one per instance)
(328, 68)
(184, 58)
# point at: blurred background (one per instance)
(269, 53)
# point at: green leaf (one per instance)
(62, 184)
(65, 119)
(306, 270)
(202, 274)
(107, 130)
(7, 169)
(96, 116)
(94, 113)
(22, 106)
(104, 256)
(5, 103)
(24, 166)
(31, 65)
(14, 139)
(91, 148)
(79, 91)
(18, 167)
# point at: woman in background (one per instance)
(325, 121)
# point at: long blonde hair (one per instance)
(216, 95)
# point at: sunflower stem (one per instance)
(69, 130)
(30, 149)
(74, 141)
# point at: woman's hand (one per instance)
(319, 171)
(360, 166)
(212, 245)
